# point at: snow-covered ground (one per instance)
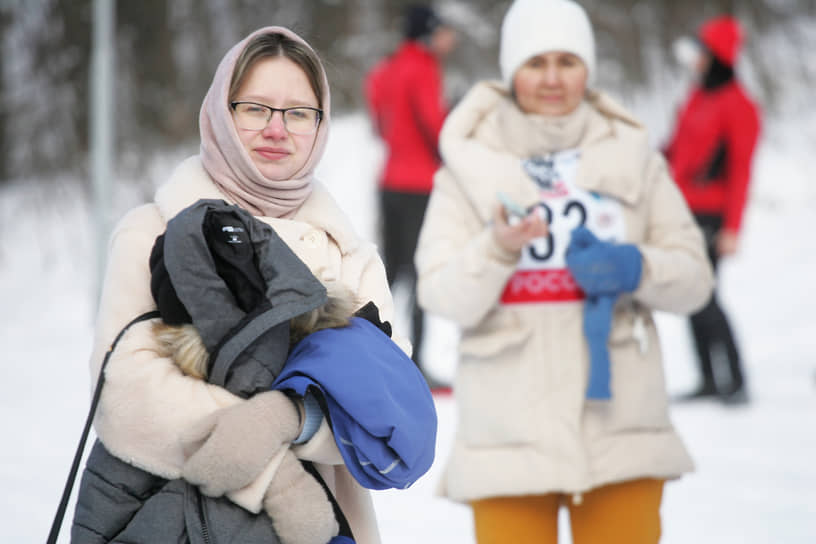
(756, 476)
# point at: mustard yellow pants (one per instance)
(620, 513)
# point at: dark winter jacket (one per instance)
(119, 502)
(246, 333)
(405, 100)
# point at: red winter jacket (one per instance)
(405, 100)
(711, 151)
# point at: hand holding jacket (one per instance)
(234, 445)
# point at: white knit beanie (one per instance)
(532, 27)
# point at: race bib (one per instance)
(542, 274)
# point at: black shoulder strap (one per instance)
(69, 485)
(345, 527)
(342, 521)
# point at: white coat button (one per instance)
(312, 239)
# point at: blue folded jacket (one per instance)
(378, 404)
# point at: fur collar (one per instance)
(475, 149)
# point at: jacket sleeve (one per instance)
(743, 133)
(677, 276)
(364, 272)
(461, 268)
(428, 104)
(146, 401)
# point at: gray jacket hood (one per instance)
(195, 256)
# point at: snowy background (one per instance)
(756, 471)
(756, 464)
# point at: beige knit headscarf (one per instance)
(228, 163)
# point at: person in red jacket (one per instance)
(710, 156)
(405, 97)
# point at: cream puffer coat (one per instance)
(524, 425)
(147, 402)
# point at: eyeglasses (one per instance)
(299, 120)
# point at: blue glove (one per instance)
(603, 268)
(597, 324)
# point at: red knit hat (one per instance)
(723, 37)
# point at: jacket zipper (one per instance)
(205, 531)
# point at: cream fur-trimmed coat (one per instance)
(147, 403)
(524, 424)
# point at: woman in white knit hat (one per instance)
(552, 233)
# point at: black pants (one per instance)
(401, 216)
(713, 338)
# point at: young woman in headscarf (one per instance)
(264, 124)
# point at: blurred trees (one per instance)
(167, 51)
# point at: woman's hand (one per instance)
(726, 243)
(231, 448)
(514, 237)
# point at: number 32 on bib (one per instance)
(541, 274)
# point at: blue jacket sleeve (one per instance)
(375, 399)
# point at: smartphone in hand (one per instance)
(511, 208)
